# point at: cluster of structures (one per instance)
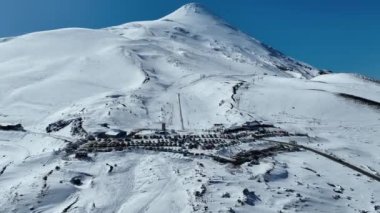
(185, 142)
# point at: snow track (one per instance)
(333, 158)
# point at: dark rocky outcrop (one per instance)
(12, 127)
(250, 197)
(76, 129)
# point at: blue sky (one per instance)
(341, 35)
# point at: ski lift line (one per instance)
(180, 112)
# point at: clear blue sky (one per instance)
(341, 35)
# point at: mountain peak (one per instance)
(194, 8)
(192, 11)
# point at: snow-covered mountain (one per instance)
(128, 77)
(46, 73)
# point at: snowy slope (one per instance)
(129, 77)
(46, 72)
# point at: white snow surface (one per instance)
(129, 76)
